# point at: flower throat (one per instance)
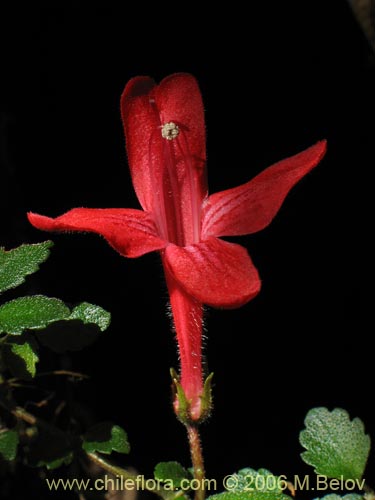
(177, 199)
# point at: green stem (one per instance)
(197, 460)
(112, 469)
(133, 478)
(27, 417)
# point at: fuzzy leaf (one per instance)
(16, 264)
(336, 446)
(91, 314)
(83, 326)
(8, 444)
(51, 447)
(21, 357)
(171, 471)
(31, 313)
(72, 335)
(251, 480)
(249, 495)
(249, 484)
(105, 438)
(349, 496)
(58, 462)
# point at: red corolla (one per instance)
(165, 139)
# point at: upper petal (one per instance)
(131, 232)
(215, 272)
(178, 99)
(145, 107)
(250, 207)
(139, 120)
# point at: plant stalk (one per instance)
(133, 479)
(197, 459)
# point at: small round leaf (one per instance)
(105, 438)
(336, 446)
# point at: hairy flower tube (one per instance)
(165, 140)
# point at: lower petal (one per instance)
(131, 232)
(215, 272)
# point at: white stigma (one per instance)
(170, 131)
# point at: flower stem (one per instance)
(197, 459)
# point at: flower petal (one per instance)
(131, 232)
(250, 207)
(145, 107)
(179, 100)
(139, 120)
(187, 315)
(215, 272)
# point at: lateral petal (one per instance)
(131, 232)
(251, 207)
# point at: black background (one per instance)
(274, 81)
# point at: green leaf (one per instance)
(105, 438)
(349, 496)
(16, 264)
(83, 326)
(31, 313)
(20, 355)
(249, 484)
(51, 447)
(171, 471)
(248, 495)
(251, 480)
(71, 335)
(336, 446)
(8, 444)
(91, 314)
(55, 464)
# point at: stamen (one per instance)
(170, 131)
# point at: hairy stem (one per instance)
(197, 459)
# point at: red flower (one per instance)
(165, 138)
